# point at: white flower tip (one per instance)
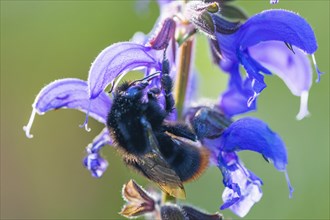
(303, 111)
(87, 128)
(27, 131)
(85, 125)
(27, 128)
(289, 184)
(302, 115)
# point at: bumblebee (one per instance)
(166, 152)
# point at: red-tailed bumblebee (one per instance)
(167, 153)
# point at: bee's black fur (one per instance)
(176, 141)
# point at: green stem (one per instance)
(168, 198)
(182, 76)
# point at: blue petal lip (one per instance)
(280, 25)
(229, 203)
(242, 187)
(255, 135)
(69, 93)
(265, 30)
(118, 59)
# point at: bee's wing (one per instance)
(153, 166)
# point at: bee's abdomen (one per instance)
(186, 157)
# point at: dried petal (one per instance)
(164, 35)
(199, 13)
(138, 200)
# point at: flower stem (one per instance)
(182, 77)
(168, 198)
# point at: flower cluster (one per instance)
(275, 42)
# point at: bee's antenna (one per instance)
(111, 88)
(147, 78)
(115, 83)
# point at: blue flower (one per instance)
(72, 94)
(90, 97)
(273, 41)
(243, 188)
(225, 139)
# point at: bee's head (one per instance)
(135, 88)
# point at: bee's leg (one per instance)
(180, 129)
(153, 93)
(167, 85)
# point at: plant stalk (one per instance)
(182, 77)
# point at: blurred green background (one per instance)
(43, 177)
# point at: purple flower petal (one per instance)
(162, 3)
(165, 33)
(93, 161)
(293, 68)
(192, 87)
(237, 98)
(99, 142)
(96, 164)
(118, 59)
(279, 25)
(69, 93)
(255, 135)
(269, 26)
(242, 187)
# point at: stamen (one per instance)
(251, 99)
(85, 124)
(289, 184)
(27, 128)
(303, 111)
(319, 73)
